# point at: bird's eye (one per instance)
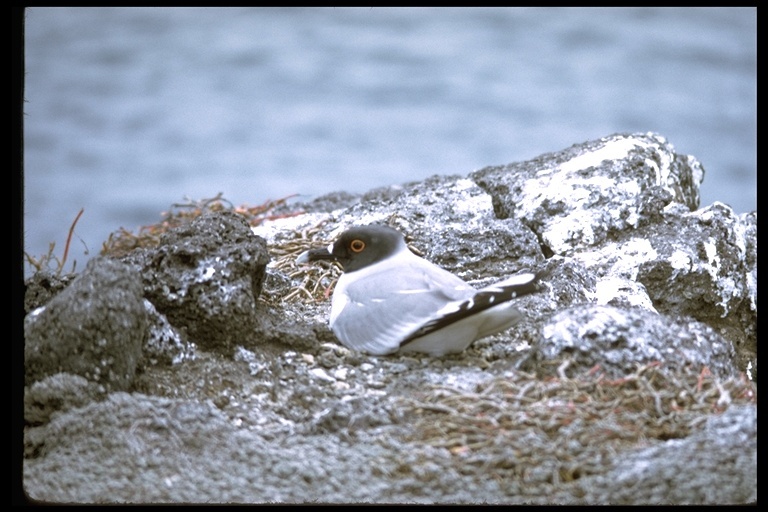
(357, 245)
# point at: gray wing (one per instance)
(384, 308)
(485, 298)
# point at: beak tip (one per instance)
(303, 258)
(313, 255)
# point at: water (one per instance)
(130, 110)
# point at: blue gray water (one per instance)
(130, 110)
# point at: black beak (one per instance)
(315, 255)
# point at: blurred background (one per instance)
(129, 110)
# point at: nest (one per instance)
(548, 432)
(308, 282)
(316, 281)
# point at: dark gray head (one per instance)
(359, 247)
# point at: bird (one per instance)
(389, 300)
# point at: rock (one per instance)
(623, 212)
(94, 328)
(130, 434)
(205, 277)
(581, 196)
(699, 264)
(624, 384)
(619, 341)
(332, 201)
(703, 265)
(290, 328)
(449, 219)
(58, 393)
(165, 344)
(728, 476)
(42, 286)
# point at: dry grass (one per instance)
(548, 432)
(315, 281)
(123, 241)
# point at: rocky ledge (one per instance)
(200, 368)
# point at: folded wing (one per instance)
(483, 299)
(380, 311)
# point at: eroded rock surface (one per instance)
(629, 381)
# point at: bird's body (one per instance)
(388, 299)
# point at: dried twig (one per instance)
(522, 422)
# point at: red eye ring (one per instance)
(357, 245)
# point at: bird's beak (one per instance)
(315, 255)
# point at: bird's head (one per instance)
(358, 247)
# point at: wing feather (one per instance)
(392, 302)
(485, 298)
